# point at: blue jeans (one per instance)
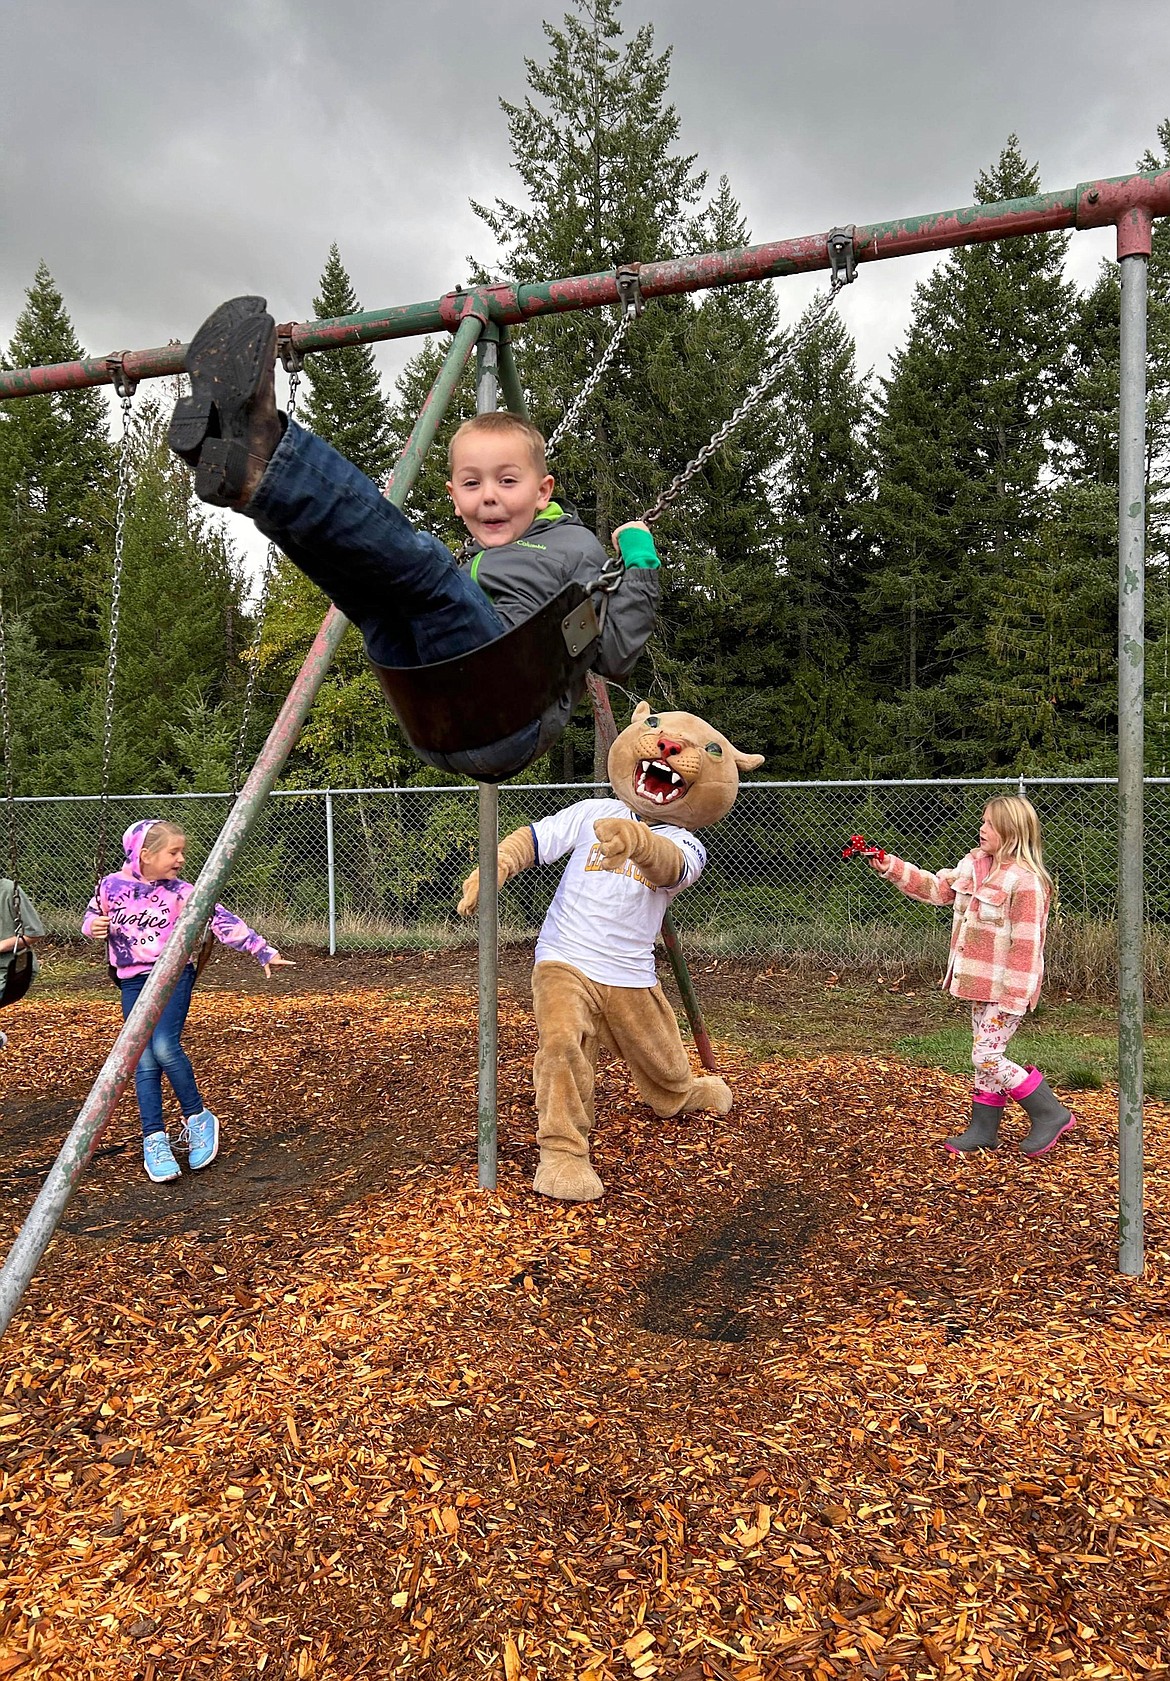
(400, 587)
(164, 1054)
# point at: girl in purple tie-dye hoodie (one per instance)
(135, 911)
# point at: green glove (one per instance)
(637, 548)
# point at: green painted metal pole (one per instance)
(510, 387)
(1131, 754)
(487, 399)
(45, 1215)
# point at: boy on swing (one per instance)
(412, 601)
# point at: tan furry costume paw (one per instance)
(568, 1178)
(710, 1094)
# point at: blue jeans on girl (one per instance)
(400, 587)
(164, 1054)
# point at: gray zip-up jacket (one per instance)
(519, 578)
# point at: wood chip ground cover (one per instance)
(802, 1395)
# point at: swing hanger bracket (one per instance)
(291, 359)
(629, 285)
(124, 383)
(842, 256)
(474, 301)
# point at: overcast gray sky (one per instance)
(162, 154)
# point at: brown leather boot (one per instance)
(229, 426)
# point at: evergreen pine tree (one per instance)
(56, 497)
(964, 446)
(345, 402)
(351, 737)
(179, 623)
(823, 492)
(595, 147)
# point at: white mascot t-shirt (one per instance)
(605, 922)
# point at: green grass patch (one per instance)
(1068, 1044)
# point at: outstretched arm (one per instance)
(630, 614)
(517, 852)
(927, 886)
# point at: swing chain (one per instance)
(125, 388)
(9, 778)
(756, 395)
(630, 293)
(293, 362)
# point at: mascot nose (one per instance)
(668, 749)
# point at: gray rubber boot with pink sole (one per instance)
(1048, 1115)
(987, 1109)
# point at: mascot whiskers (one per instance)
(594, 982)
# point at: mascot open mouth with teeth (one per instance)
(595, 982)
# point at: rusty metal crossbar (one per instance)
(1125, 201)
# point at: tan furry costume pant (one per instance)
(575, 1015)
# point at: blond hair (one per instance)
(1017, 822)
(502, 420)
(157, 836)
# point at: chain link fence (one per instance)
(375, 868)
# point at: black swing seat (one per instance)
(18, 978)
(493, 691)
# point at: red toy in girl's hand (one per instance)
(859, 847)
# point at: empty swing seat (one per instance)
(490, 693)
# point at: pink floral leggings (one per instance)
(993, 1028)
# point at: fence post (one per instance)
(330, 870)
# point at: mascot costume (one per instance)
(595, 981)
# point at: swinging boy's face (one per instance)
(495, 486)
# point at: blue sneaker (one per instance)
(201, 1133)
(159, 1159)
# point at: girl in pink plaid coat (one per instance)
(1002, 895)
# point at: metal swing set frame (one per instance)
(479, 320)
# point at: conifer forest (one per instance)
(907, 573)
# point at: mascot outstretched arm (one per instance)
(595, 982)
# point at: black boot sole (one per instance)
(228, 361)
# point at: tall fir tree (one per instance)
(720, 646)
(823, 491)
(964, 446)
(345, 402)
(595, 146)
(351, 736)
(180, 625)
(56, 509)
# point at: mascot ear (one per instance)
(747, 761)
(641, 711)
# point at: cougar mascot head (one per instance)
(671, 767)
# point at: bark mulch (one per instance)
(801, 1396)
